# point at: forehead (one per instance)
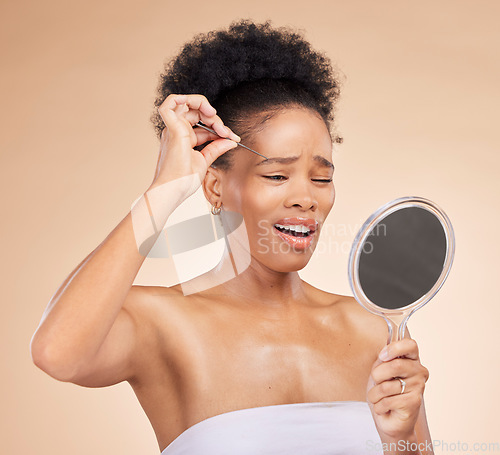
(294, 131)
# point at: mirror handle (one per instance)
(396, 323)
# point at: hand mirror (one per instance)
(400, 258)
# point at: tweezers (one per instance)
(201, 125)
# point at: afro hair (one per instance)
(247, 70)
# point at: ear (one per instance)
(212, 185)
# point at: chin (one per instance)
(286, 263)
(283, 256)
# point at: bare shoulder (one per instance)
(154, 314)
(368, 326)
(149, 305)
(159, 311)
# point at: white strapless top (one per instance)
(320, 428)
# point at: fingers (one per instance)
(397, 359)
(394, 387)
(216, 148)
(203, 136)
(176, 127)
(404, 406)
(214, 122)
(218, 126)
(195, 108)
(400, 359)
(406, 347)
(198, 102)
(401, 368)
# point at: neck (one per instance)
(257, 284)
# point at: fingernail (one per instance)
(384, 354)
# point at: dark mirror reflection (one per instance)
(402, 258)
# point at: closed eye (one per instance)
(282, 177)
(275, 177)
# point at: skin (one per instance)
(265, 337)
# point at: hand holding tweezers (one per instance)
(201, 125)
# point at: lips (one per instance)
(296, 231)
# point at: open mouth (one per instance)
(294, 230)
(297, 232)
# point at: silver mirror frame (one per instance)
(397, 318)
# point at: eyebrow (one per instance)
(292, 159)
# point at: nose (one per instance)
(302, 195)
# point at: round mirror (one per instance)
(400, 258)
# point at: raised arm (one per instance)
(93, 328)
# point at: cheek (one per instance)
(261, 205)
(255, 197)
(328, 198)
(333, 196)
(233, 197)
(325, 198)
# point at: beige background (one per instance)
(419, 116)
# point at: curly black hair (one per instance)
(251, 71)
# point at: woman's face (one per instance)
(285, 200)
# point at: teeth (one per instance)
(294, 227)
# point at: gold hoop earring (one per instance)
(215, 210)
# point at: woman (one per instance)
(260, 362)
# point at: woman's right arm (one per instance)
(92, 330)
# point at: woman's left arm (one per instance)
(400, 417)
